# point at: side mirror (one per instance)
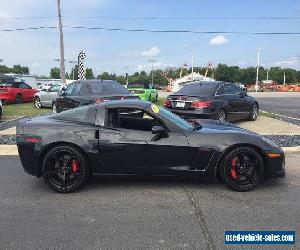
(62, 93)
(159, 133)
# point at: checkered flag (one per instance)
(81, 69)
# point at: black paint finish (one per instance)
(117, 150)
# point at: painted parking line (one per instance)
(9, 131)
(284, 116)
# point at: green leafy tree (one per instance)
(55, 73)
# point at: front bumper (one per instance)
(275, 166)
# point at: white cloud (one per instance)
(156, 65)
(218, 40)
(36, 64)
(288, 62)
(154, 51)
(4, 15)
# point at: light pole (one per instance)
(256, 82)
(73, 62)
(152, 61)
(193, 54)
(126, 75)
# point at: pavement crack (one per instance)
(209, 242)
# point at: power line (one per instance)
(151, 30)
(157, 18)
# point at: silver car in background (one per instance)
(45, 98)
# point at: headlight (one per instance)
(270, 142)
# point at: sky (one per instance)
(113, 50)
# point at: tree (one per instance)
(89, 73)
(55, 73)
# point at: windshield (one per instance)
(108, 88)
(139, 85)
(176, 119)
(200, 88)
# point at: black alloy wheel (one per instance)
(242, 169)
(65, 169)
(54, 108)
(254, 113)
(18, 98)
(222, 116)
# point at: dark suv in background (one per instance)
(213, 100)
(88, 92)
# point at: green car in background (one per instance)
(143, 91)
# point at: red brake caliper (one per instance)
(232, 170)
(74, 166)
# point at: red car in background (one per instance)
(16, 92)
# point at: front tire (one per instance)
(54, 108)
(65, 169)
(242, 169)
(222, 116)
(254, 113)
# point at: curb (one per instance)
(12, 150)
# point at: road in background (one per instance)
(282, 103)
(130, 213)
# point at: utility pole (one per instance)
(256, 82)
(126, 75)
(152, 61)
(193, 54)
(267, 74)
(61, 38)
(73, 62)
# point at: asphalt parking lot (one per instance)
(148, 213)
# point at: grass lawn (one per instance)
(23, 109)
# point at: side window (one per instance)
(236, 90)
(69, 89)
(24, 86)
(77, 88)
(85, 90)
(136, 119)
(85, 114)
(220, 90)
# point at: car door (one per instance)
(25, 91)
(126, 150)
(49, 95)
(63, 101)
(241, 107)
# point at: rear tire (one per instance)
(61, 174)
(242, 169)
(37, 102)
(18, 98)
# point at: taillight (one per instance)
(98, 100)
(200, 104)
(167, 103)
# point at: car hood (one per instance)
(218, 125)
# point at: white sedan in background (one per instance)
(45, 98)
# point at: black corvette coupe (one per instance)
(114, 138)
